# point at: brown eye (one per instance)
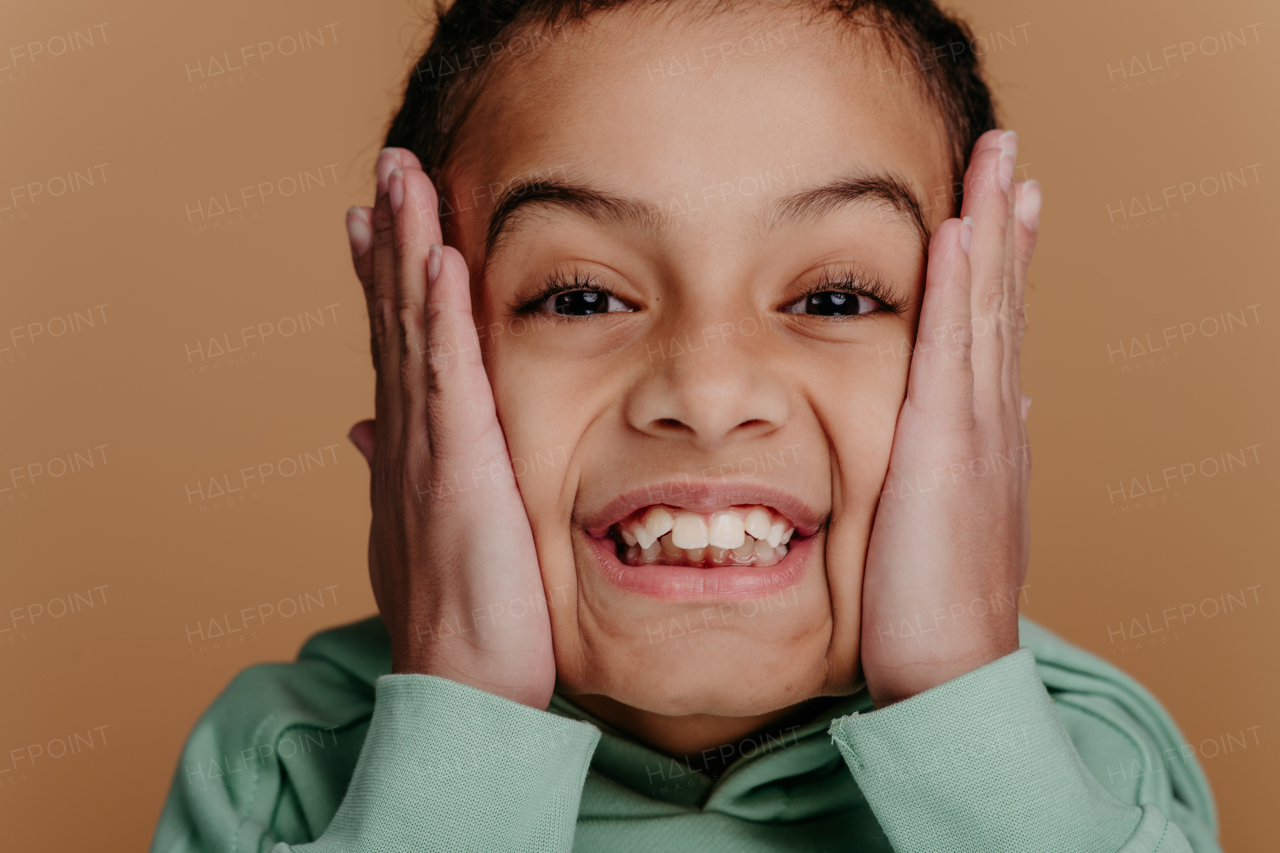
(833, 303)
(583, 303)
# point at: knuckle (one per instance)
(436, 313)
(384, 314)
(410, 321)
(408, 241)
(993, 302)
(384, 229)
(960, 335)
(438, 362)
(953, 342)
(383, 320)
(980, 186)
(408, 387)
(410, 350)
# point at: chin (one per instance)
(711, 598)
(677, 640)
(739, 680)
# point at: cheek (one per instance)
(536, 412)
(551, 408)
(861, 407)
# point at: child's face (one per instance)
(709, 394)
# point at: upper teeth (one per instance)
(690, 531)
(743, 530)
(758, 522)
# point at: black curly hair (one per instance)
(928, 48)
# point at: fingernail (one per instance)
(358, 232)
(1026, 406)
(435, 257)
(966, 233)
(395, 189)
(1009, 141)
(388, 159)
(1006, 167)
(1029, 205)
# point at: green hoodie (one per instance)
(1046, 749)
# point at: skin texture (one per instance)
(493, 452)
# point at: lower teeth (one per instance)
(663, 553)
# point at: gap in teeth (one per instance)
(738, 536)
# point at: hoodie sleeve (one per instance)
(448, 767)
(990, 761)
(301, 757)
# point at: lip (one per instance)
(701, 496)
(685, 583)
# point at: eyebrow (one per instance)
(815, 203)
(608, 209)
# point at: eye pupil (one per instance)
(831, 303)
(581, 303)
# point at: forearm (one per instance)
(982, 763)
(448, 767)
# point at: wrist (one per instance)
(904, 679)
(474, 672)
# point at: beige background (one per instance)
(138, 394)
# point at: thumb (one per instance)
(361, 436)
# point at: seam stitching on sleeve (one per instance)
(850, 754)
(253, 792)
(1160, 843)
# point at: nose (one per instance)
(708, 390)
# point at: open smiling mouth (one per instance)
(703, 541)
(751, 535)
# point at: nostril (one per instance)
(671, 422)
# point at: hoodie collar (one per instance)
(761, 783)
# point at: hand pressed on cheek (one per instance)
(946, 536)
(435, 420)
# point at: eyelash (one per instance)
(858, 285)
(558, 283)
(852, 283)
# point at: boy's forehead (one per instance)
(729, 114)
